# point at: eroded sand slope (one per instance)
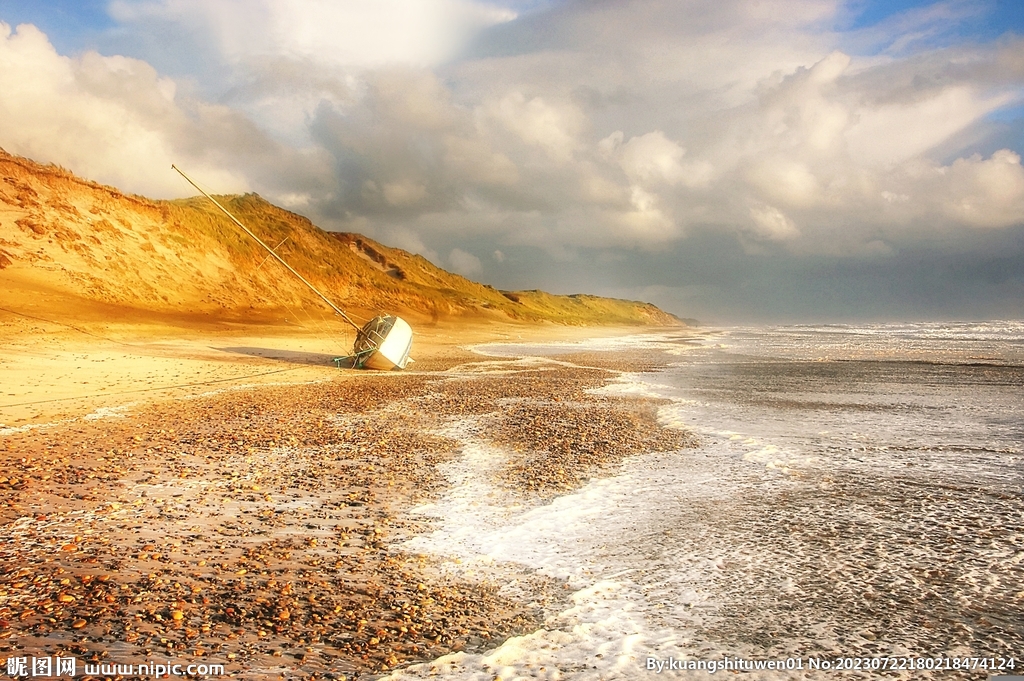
(93, 246)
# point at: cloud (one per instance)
(793, 137)
(889, 134)
(653, 159)
(115, 120)
(408, 240)
(473, 158)
(450, 126)
(981, 193)
(552, 128)
(771, 223)
(109, 118)
(339, 32)
(464, 263)
(404, 192)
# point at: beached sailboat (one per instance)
(382, 343)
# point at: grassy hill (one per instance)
(67, 237)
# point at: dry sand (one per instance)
(52, 370)
(228, 496)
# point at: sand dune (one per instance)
(87, 250)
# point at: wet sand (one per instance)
(255, 524)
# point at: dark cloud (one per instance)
(726, 160)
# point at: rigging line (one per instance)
(70, 326)
(321, 333)
(319, 328)
(328, 334)
(365, 319)
(275, 255)
(332, 334)
(146, 390)
(324, 329)
(268, 257)
(329, 326)
(325, 333)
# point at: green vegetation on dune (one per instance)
(586, 309)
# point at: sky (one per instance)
(737, 161)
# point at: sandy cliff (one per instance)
(91, 251)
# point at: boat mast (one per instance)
(269, 250)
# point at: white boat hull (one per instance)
(384, 344)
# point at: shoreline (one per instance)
(257, 527)
(54, 371)
(433, 523)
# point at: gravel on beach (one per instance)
(257, 528)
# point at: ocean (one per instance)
(855, 501)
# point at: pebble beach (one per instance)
(263, 528)
(536, 508)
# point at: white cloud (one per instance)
(652, 156)
(885, 135)
(771, 223)
(464, 263)
(553, 128)
(114, 119)
(111, 119)
(338, 32)
(784, 179)
(983, 192)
